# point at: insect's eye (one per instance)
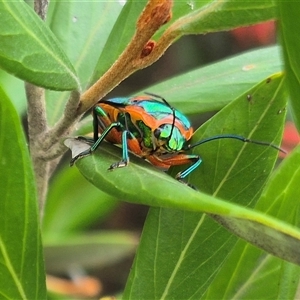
(163, 132)
(170, 137)
(157, 132)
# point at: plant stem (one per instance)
(37, 126)
(41, 7)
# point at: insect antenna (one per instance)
(172, 108)
(236, 137)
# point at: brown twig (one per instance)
(37, 126)
(155, 14)
(41, 7)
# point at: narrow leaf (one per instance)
(30, 51)
(86, 24)
(21, 256)
(139, 176)
(251, 269)
(212, 87)
(119, 37)
(288, 16)
(62, 197)
(223, 15)
(88, 250)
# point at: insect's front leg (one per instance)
(96, 143)
(196, 161)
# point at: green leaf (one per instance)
(65, 195)
(288, 16)
(119, 37)
(283, 189)
(230, 170)
(258, 115)
(138, 176)
(14, 88)
(30, 51)
(246, 273)
(223, 15)
(89, 251)
(211, 88)
(21, 256)
(86, 24)
(139, 183)
(251, 269)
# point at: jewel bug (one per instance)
(152, 129)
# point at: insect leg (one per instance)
(196, 163)
(177, 160)
(96, 144)
(96, 110)
(125, 157)
(129, 141)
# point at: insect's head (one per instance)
(169, 137)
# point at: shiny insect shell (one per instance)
(147, 126)
(152, 129)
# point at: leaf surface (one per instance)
(288, 16)
(211, 16)
(248, 270)
(21, 255)
(88, 250)
(212, 87)
(82, 27)
(66, 194)
(30, 51)
(119, 37)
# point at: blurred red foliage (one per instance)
(256, 35)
